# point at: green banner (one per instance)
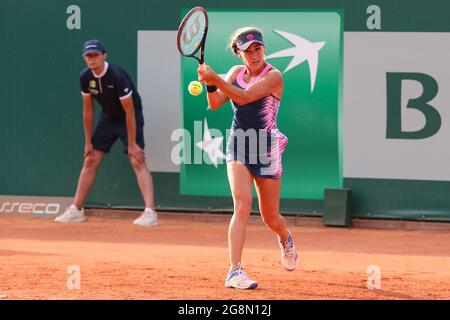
(306, 46)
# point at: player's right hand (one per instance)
(206, 74)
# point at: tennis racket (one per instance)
(192, 32)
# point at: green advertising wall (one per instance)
(41, 134)
(310, 106)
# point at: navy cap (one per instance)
(93, 46)
(247, 38)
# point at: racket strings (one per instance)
(192, 33)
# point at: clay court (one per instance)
(186, 258)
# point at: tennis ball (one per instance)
(195, 88)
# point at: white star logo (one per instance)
(211, 146)
(303, 50)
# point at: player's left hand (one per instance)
(134, 151)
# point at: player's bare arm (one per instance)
(217, 98)
(134, 151)
(270, 83)
(88, 122)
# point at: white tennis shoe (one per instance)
(72, 214)
(289, 256)
(148, 218)
(238, 279)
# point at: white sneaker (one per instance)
(148, 218)
(72, 214)
(238, 279)
(289, 256)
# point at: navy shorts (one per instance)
(106, 133)
(264, 163)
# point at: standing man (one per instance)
(121, 117)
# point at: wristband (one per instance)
(211, 88)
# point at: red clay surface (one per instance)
(186, 260)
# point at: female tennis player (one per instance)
(255, 146)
